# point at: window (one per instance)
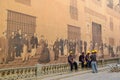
(73, 9)
(96, 33)
(110, 3)
(111, 24)
(98, 2)
(26, 2)
(111, 41)
(16, 20)
(73, 32)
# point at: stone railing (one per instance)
(40, 71)
(18, 73)
(114, 67)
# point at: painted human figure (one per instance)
(34, 41)
(19, 43)
(85, 47)
(11, 49)
(44, 51)
(56, 49)
(66, 48)
(81, 46)
(62, 46)
(3, 49)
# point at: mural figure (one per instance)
(25, 55)
(19, 43)
(81, 48)
(72, 46)
(91, 46)
(62, 46)
(44, 51)
(34, 41)
(56, 49)
(11, 48)
(3, 49)
(85, 47)
(101, 50)
(66, 48)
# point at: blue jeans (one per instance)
(94, 66)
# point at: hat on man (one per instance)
(71, 52)
(88, 51)
(93, 51)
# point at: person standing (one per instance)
(82, 59)
(72, 62)
(94, 62)
(88, 60)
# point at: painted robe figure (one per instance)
(3, 49)
(44, 52)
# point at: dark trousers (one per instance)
(82, 64)
(88, 64)
(18, 50)
(73, 65)
(56, 54)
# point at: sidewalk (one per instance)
(104, 75)
(73, 75)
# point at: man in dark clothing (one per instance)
(56, 49)
(72, 62)
(19, 43)
(85, 46)
(82, 59)
(88, 60)
(62, 46)
(34, 41)
(94, 62)
(11, 49)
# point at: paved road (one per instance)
(103, 74)
(95, 76)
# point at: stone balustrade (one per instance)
(18, 73)
(40, 71)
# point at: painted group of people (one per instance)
(88, 60)
(63, 47)
(17, 45)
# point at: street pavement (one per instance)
(103, 74)
(95, 76)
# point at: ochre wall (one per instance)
(53, 18)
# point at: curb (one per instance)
(66, 75)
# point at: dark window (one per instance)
(111, 24)
(96, 33)
(73, 32)
(16, 20)
(111, 41)
(26, 2)
(73, 9)
(110, 3)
